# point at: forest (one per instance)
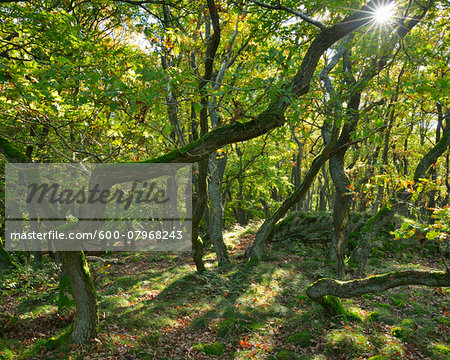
(311, 144)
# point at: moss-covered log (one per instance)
(327, 291)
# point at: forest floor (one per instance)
(155, 306)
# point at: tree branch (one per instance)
(324, 290)
(302, 16)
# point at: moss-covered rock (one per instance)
(398, 332)
(440, 351)
(403, 331)
(215, 349)
(301, 338)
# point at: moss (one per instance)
(444, 320)
(285, 355)
(392, 352)
(214, 349)
(225, 131)
(59, 340)
(404, 331)
(333, 305)
(384, 306)
(344, 342)
(253, 261)
(440, 351)
(66, 300)
(5, 259)
(399, 300)
(381, 316)
(301, 338)
(399, 332)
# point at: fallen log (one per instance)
(327, 291)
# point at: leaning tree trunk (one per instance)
(328, 291)
(85, 322)
(401, 198)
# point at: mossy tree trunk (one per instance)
(6, 261)
(328, 291)
(85, 322)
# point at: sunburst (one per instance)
(384, 13)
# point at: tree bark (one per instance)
(85, 322)
(217, 168)
(6, 261)
(328, 291)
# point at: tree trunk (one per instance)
(6, 261)
(324, 198)
(447, 182)
(85, 322)
(432, 194)
(341, 208)
(215, 229)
